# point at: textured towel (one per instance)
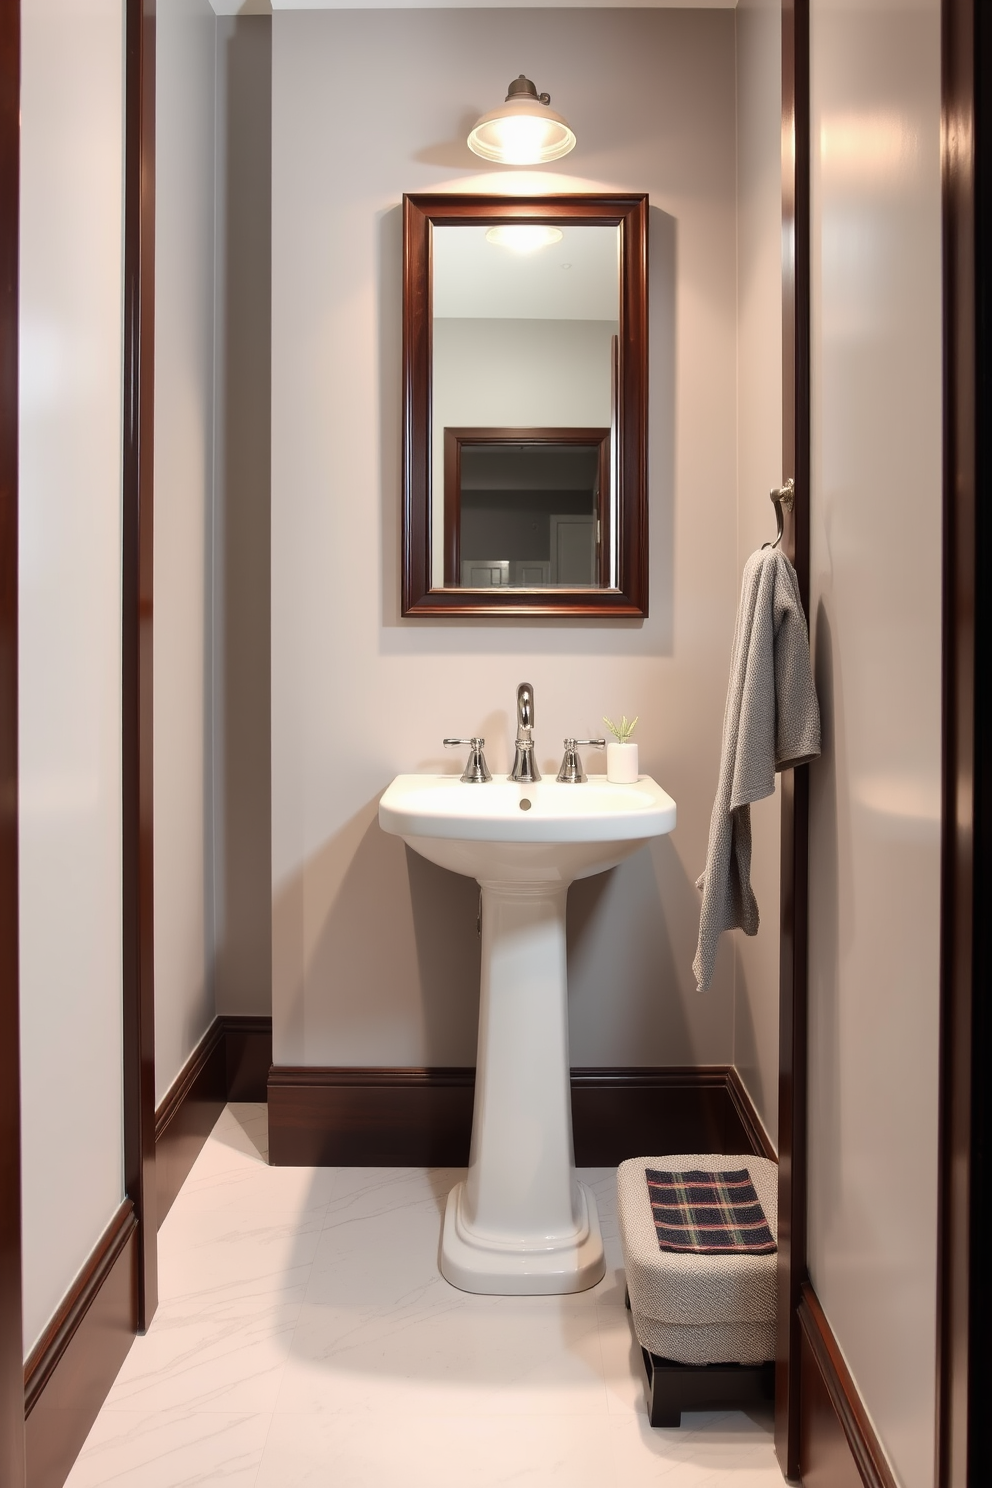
(771, 722)
(708, 1213)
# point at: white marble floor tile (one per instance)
(380, 1237)
(249, 1182)
(305, 1336)
(462, 1355)
(170, 1449)
(211, 1354)
(623, 1370)
(242, 1226)
(710, 1448)
(452, 1452)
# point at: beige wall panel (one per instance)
(875, 796)
(759, 454)
(375, 952)
(184, 457)
(242, 883)
(71, 278)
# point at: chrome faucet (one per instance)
(476, 772)
(571, 772)
(524, 765)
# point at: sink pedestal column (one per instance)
(522, 1224)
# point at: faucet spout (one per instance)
(524, 765)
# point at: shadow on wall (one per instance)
(241, 850)
(630, 988)
(454, 154)
(487, 634)
(378, 955)
(825, 950)
(746, 1052)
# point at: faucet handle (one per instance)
(571, 772)
(476, 772)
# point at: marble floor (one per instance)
(305, 1337)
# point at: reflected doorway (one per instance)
(527, 508)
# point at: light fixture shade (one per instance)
(523, 131)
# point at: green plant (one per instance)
(623, 729)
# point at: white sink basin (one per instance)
(521, 1223)
(504, 832)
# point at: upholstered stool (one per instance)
(705, 1323)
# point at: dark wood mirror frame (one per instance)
(421, 214)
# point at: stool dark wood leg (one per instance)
(673, 1387)
(664, 1408)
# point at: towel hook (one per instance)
(781, 496)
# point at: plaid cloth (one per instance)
(708, 1213)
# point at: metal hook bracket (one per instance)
(781, 496)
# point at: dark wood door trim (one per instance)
(44, 1358)
(11, 1342)
(230, 1063)
(136, 642)
(795, 783)
(860, 1457)
(70, 1370)
(964, 1374)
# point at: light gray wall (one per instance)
(185, 73)
(759, 468)
(375, 952)
(875, 796)
(212, 817)
(71, 287)
(242, 796)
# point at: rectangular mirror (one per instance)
(525, 392)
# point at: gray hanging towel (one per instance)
(771, 722)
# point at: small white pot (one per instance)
(621, 763)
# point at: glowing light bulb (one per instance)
(525, 131)
(523, 237)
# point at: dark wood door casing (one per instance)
(136, 642)
(792, 1093)
(964, 1286)
(964, 1289)
(11, 1341)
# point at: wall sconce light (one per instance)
(525, 131)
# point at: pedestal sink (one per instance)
(522, 1223)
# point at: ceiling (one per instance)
(266, 7)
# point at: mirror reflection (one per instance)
(524, 405)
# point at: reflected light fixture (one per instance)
(524, 131)
(523, 237)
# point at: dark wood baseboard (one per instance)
(353, 1116)
(356, 1116)
(837, 1444)
(231, 1062)
(248, 1054)
(71, 1368)
(184, 1119)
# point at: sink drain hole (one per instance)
(525, 804)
